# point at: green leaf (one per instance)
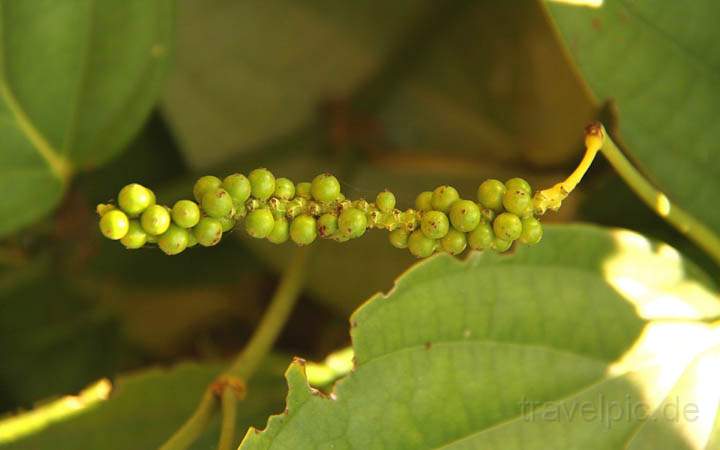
(77, 80)
(238, 82)
(658, 63)
(142, 411)
(522, 351)
(423, 76)
(49, 327)
(483, 79)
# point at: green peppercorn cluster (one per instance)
(279, 210)
(501, 214)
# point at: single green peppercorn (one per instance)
(192, 240)
(327, 225)
(280, 232)
(420, 245)
(259, 223)
(352, 223)
(399, 238)
(103, 208)
(409, 220)
(238, 186)
(185, 213)
(227, 223)
(208, 231)
(465, 215)
(490, 194)
(204, 184)
(501, 245)
(385, 201)
(155, 220)
(443, 197)
(454, 242)
(518, 183)
(325, 188)
(114, 224)
(134, 199)
(340, 237)
(303, 190)
(423, 202)
(517, 201)
(482, 237)
(262, 183)
(284, 189)
(217, 203)
(434, 224)
(303, 229)
(135, 238)
(507, 226)
(532, 231)
(174, 240)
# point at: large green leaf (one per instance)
(143, 410)
(524, 351)
(77, 79)
(658, 61)
(422, 76)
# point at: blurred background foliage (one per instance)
(403, 95)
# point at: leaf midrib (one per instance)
(58, 165)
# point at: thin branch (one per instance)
(656, 200)
(553, 197)
(229, 402)
(274, 318)
(195, 425)
(229, 386)
(598, 140)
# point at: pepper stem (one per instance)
(552, 198)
